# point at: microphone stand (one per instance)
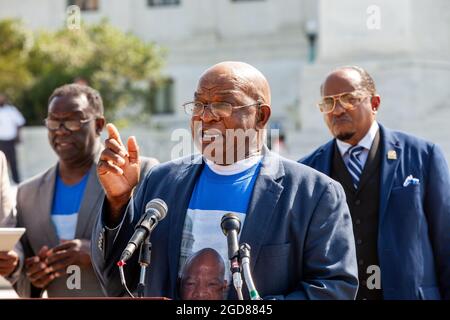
(237, 278)
(144, 261)
(244, 255)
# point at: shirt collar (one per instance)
(235, 168)
(365, 142)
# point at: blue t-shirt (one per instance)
(215, 195)
(66, 204)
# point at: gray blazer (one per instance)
(298, 226)
(34, 203)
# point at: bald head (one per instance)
(231, 109)
(357, 77)
(204, 258)
(242, 75)
(203, 276)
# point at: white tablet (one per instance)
(9, 237)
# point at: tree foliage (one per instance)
(118, 64)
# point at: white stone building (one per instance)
(404, 44)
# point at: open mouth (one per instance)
(63, 145)
(209, 136)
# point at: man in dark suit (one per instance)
(59, 206)
(294, 218)
(397, 188)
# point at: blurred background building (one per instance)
(404, 44)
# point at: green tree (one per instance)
(15, 45)
(118, 64)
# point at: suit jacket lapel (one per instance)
(388, 166)
(93, 194)
(372, 162)
(323, 158)
(265, 196)
(43, 214)
(340, 170)
(184, 186)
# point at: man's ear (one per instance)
(100, 123)
(375, 102)
(263, 115)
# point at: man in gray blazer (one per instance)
(59, 207)
(295, 219)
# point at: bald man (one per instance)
(295, 219)
(397, 188)
(203, 276)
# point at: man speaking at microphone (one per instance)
(295, 219)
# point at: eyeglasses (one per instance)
(348, 101)
(71, 125)
(218, 109)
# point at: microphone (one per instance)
(231, 226)
(244, 254)
(155, 211)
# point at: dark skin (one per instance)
(76, 154)
(233, 82)
(349, 125)
(237, 84)
(8, 262)
(203, 277)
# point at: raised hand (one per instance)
(118, 170)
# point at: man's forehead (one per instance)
(341, 81)
(72, 104)
(217, 91)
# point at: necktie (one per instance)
(354, 164)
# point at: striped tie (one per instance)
(354, 164)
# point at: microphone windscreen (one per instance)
(230, 221)
(159, 206)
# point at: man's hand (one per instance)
(73, 252)
(37, 270)
(8, 262)
(118, 170)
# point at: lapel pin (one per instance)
(392, 155)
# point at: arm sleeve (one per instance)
(437, 209)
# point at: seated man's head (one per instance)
(231, 98)
(349, 103)
(75, 121)
(203, 276)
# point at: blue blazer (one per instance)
(414, 221)
(298, 226)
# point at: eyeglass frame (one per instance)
(259, 104)
(338, 96)
(63, 123)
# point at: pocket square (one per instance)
(410, 180)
